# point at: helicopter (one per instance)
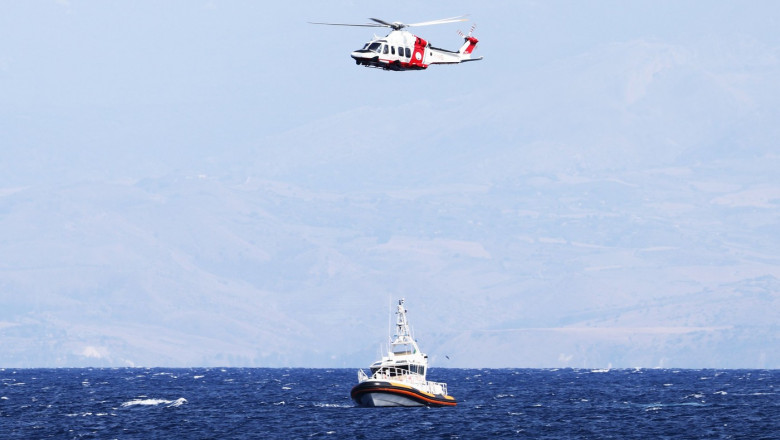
(401, 50)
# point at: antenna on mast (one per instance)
(389, 320)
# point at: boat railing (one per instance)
(403, 375)
(400, 374)
(438, 388)
(394, 373)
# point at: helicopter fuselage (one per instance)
(402, 50)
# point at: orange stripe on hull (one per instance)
(410, 394)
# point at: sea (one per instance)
(259, 403)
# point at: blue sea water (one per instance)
(204, 403)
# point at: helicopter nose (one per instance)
(361, 55)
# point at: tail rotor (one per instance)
(471, 31)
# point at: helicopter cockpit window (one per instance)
(384, 49)
(374, 47)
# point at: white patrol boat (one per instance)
(398, 379)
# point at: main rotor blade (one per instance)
(348, 24)
(385, 23)
(442, 21)
(397, 25)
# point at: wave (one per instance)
(333, 405)
(154, 402)
(88, 414)
(660, 406)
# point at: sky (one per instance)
(196, 183)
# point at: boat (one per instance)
(399, 379)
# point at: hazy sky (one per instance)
(153, 86)
(609, 164)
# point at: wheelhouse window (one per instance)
(417, 369)
(399, 370)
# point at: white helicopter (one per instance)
(402, 50)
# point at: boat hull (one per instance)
(381, 394)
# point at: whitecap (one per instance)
(198, 377)
(722, 393)
(178, 402)
(145, 402)
(84, 414)
(154, 402)
(691, 404)
(332, 405)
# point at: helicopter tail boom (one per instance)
(442, 56)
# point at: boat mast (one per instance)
(403, 336)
